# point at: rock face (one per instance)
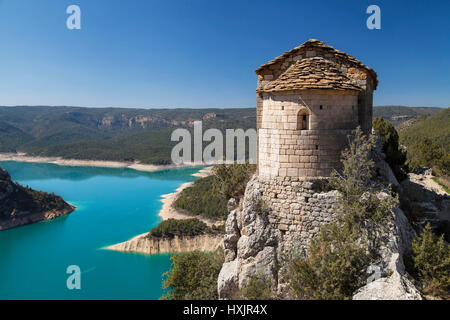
(250, 244)
(20, 206)
(277, 215)
(426, 203)
(146, 245)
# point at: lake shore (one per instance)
(142, 244)
(23, 157)
(169, 212)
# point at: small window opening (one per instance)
(303, 120)
(321, 107)
(317, 147)
(306, 199)
(282, 107)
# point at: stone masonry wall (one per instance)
(275, 216)
(283, 150)
(297, 208)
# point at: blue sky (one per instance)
(203, 53)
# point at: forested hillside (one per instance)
(126, 134)
(118, 134)
(427, 142)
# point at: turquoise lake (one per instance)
(113, 205)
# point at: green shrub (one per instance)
(218, 228)
(334, 269)
(390, 139)
(230, 180)
(338, 257)
(359, 200)
(258, 288)
(193, 276)
(431, 258)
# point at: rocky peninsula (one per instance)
(152, 245)
(21, 205)
(146, 244)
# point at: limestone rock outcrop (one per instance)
(425, 204)
(152, 245)
(276, 216)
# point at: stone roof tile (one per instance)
(311, 73)
(314, 43)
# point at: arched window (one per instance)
(303, 120)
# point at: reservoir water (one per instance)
(113, 205)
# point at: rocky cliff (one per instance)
(151, 245)
(21, 205)
(275, 216)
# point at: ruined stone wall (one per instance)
(274, 217)
(286, 151)
(297, 208)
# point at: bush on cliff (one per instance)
(431, 260)
(333, 269)
(230, 180)
(338, 257)
(257, 288)
(395, 157)
(193, 276)
(202, 199)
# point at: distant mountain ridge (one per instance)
(399, 114)
(118, 134)
(123, 134)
